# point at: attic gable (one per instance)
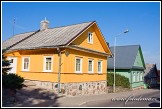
(139, 61)
(98, 43)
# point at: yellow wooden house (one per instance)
(69, 59)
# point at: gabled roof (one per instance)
(148, 67)
(124, 57)
(59, 36)
(151, 71)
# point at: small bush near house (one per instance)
(12, 81)
(119, 80)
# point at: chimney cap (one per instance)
(45, 20)
(44, 24)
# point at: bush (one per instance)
(119, 80)
(12, 81)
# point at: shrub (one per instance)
(119, 80)
(12, 81)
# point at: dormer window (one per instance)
(90, 38)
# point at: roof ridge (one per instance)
(72, 24)
(50, 28)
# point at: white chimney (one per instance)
(44, 24)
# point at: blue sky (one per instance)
(141, 18)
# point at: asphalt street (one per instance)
(145, 100)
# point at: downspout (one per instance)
(59, 68)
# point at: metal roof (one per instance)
(46, 38)
(14, 39)
(124, 57)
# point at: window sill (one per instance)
(78, 72)
(47, 71)
(90, 43)
(90, 72)
(25, 70)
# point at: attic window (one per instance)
(90, 38)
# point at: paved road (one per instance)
(32, 96)
(153, 101)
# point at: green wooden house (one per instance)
(129, 62)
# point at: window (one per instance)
(25, 63)
(90, 66)
(134, 77)
(90, 38)
(11, 61)
(78, 65)
(48, 63)
(141, 77)
(99, 66)
(138, 76)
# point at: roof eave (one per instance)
(34, 48)
(87, 50)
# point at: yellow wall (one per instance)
(67, 66)
(71, 76)
(83, 40)
(36, 64)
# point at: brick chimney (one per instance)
(44, 24)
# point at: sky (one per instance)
(142, 19)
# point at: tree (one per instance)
(11, 81)
(5, 63)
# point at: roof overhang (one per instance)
(87, 50)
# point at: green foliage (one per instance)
(119, 80)
(5, 64)
(12, 81)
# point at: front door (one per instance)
(13, 64)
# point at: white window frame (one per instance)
(92, 66)
(44, 66)
(134, 77)
(141, 76)
(91, 39)
(80, 65)
(23, 64)
(101, 67)
(138, 77)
